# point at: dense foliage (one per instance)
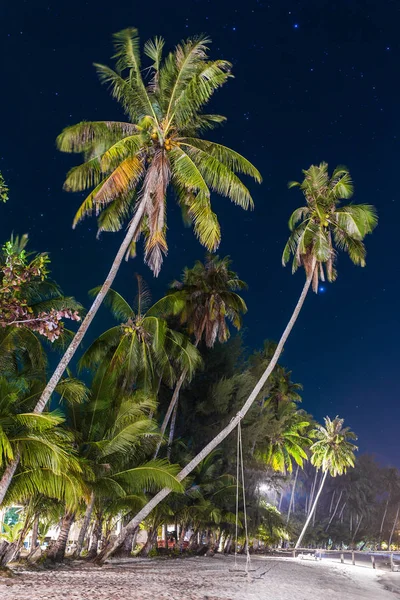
(96, 450)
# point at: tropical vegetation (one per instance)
(136, 434)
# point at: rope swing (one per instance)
(240, 475)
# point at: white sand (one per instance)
(199, 579)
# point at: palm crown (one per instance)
(142, 348)
(322, 224)
(208, 298)
(333, 451)
(132, 164)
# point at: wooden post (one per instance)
(294, 553)
(391, 562)
(342, 558)
(373, 561)
(353, 558)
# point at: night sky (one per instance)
(313, 81)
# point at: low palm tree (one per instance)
(142, 349)
(285, 438)
(206, 299)
(132, 164)
(333, 453)
(324, 226)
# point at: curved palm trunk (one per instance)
(128, 546)
(291, 503)
(7, 476)
(57, 552)
(84, 528)
(72, 348)
(394, 526)
(314, 506)
(334, 512)
(35, 531)
(96, 535)
(142, 514)
(171, 407)
(383, 518)
(172, 429)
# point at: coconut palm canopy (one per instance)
(142, 349)
(333, 451)
(132, 164)
(208, 294)
(323, 226)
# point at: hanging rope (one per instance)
(240, 474)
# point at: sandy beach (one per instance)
(199, 579)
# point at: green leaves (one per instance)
(333, 451)
(135, 162)
(322, 224)
(3, 189)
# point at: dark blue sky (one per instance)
(313, 81)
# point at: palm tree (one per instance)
(333, 453)
(131, 165)
(324, 225)
(114, 436)
(142, 348)
(285, 438)
(3, 189)
(207, 295)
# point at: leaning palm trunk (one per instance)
(96, 536)
(35, 532)
(171, 407)
(334, 512)
(7, 476)
(72, 348)
(291, 503)
(394, 526)
(172, 430)
(383, 518)
(57, 552)
(84, 528)
(142, 514)
(314, 506)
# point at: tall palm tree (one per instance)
(285, 438)
(206, 299)
(132, 164)
(333, 453)
(324, 224)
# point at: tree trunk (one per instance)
(311, 511)
(96, 535)
(383, 519)
(84, 528)
(394, 525)
(171, 407)
(313, 488)
(7, 476)
(57, 551)
(172, 429)
(331, 504)
(128, 546)
(357, 528)
(149, 545)
(35, 531)
(146, 510)
(292, 495)
(72, 348)
(334, 512)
